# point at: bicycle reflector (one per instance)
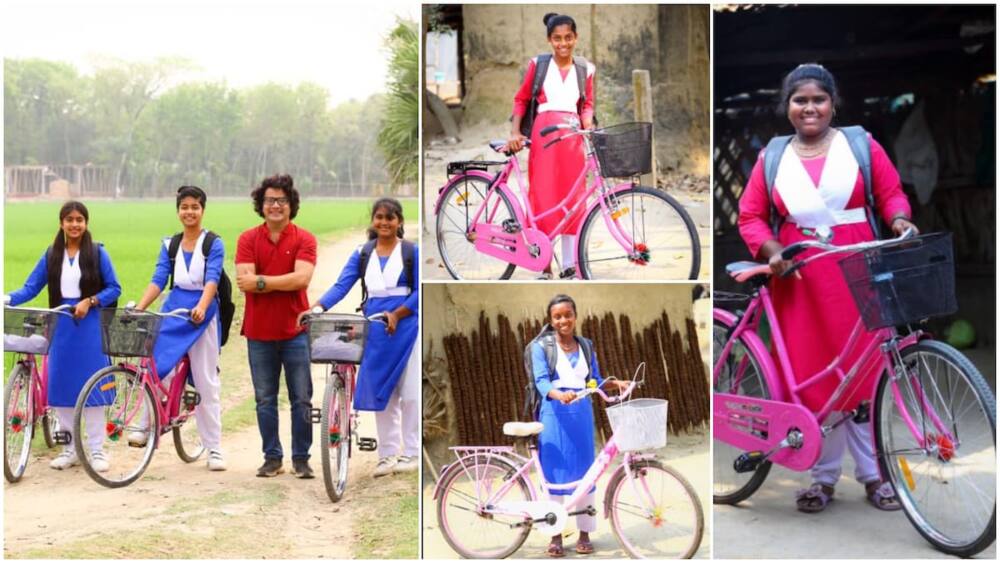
(907, 474)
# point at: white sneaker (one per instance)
(137, 438)
(406, 464)
(65, 460)
(99, 462)
(216, 461)
(385, 466)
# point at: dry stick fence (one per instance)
(487, 376)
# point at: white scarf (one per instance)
(569, 376)
(192, 277)
(69, 282)
(560, 95)
(824, 206)
(383, 283)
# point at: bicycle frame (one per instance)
(169, 411)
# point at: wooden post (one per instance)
(643, 93)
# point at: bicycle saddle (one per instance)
(498, 145)
(522, 428)
(746, 270)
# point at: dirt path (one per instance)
(178, 510)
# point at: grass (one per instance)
(384, 529)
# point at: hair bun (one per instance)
(548, 16)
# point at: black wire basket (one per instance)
(129, 333)
(28, 331)
(337, 339)
(624, 150)
(903, 283)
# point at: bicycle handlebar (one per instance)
(797, 248)
(637, 381)
(315, 311)
(61, 309)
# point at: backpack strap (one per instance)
(772, 157)
(206, 245)
(541, 68)
(175, 246)
(581, 78)
(408, 252)
(364, 255)
(861, 148)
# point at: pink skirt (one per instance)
(551, 173)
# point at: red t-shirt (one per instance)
(271, 315)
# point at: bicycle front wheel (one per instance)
(336, 424)
(655, 513)
(466, 486)
(741, 375)
(19, 418)
(935, 431)
(665, 243)
(115, 416)
(187, 437)
(455, 240)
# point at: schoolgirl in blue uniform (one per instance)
(566, 444)
(77, 272)
(196, 281)
(389, 375)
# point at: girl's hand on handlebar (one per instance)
(588, 123)
(81, 309)
(779, 266)
(564, 397)
(901, 224)
(515, 142)
(197, 314)
(390, 322)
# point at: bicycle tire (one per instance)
(908, 481)
(448, 482)
(619, 484)
(680, 233)
(189, 453)
(335, 419)
(18, 421)
(136, 384)
(722, 453)
(451, 263)
(50, 425)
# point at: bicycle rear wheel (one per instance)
(335, 423)
(660, 228)
(935, 431)
(50, 425)
(656, 514)
(187, 437)
(127, 408)
(18, 428)
(459, 205)
(741, 375)
(464, 489)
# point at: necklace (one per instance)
(814, 149)
(567, 347)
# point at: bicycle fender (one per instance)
(455, 180)
(437, 486)
(760, 351)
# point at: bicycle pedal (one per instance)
(63, 437)
(748, 462)
(367, 444)
(191, 398)
(863, 413)
(315, 415)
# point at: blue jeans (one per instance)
(266, 359)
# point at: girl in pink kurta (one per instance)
(815, 311)
(552, 171)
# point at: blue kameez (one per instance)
(566, 444)
(75, 353)
(385, 355)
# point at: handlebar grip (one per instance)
(792, 251)
(545, 132)
(552, 142)
(795, 268)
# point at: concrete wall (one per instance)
(669, 41)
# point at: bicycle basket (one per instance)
(640, 424)
(903, 283)
(129, 333)
(337, 338)
(624, 150)
(28, 331)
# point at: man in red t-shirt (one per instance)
(274, 263)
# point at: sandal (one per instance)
(555, 550)
(584, 547)
(882, 496)
(814, 499)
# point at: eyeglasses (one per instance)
(280, 201)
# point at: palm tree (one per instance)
(398, 135)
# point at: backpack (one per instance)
(532, 398)
(366, 253)
(541, 68)
(857, 139)
(224, 293)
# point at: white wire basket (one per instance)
(640, 424)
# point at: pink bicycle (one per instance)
(487, 502)
(138, 406)
(933, 415)
(28, 332)
(485, 230)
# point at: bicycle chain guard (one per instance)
(529, 248)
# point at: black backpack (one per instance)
(366, 253)
(227, 309)
(541, 68)
(532, 398)
(857, 139)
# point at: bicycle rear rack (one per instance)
(466, 165)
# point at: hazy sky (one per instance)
(333, 43)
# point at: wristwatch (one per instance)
(260, 283)
(93, 300)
